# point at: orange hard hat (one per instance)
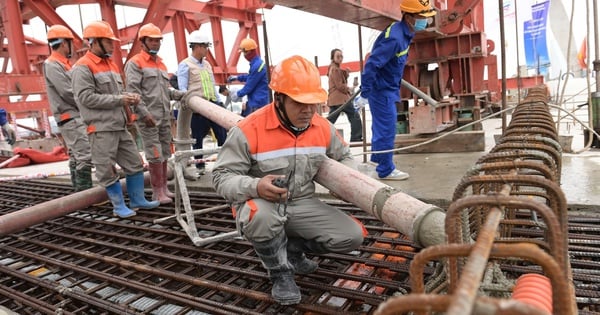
(299, 79)
(420, 7)
(99, 29)
(59, 31)
(247, 44)
(149, 30)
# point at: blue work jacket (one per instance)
(257, 86)
(385, 66)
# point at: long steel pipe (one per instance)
(422, 222)
(40, 213)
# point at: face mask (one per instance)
(152, 52)
(420, 24)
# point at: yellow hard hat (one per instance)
(247, 44)
(420, 7)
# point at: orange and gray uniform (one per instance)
(260, 145)
(147, 75)
(66, 114)
(97, 87)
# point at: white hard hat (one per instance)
(197, 38)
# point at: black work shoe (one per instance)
(302, 265)
(285, 291)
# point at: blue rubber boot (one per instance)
(135, 190)
(115, 194)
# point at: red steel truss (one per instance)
(456, 41)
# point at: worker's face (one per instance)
(108, 45)
(300, 114)
(201, 50)
(152, 44)
(415, 21)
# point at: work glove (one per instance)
(9, 134)
(360, 102)
(232, 78)
(235, 97)
(177, 95)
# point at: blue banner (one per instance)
(534, 37)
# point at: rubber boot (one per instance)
(157, 182)
(165, 169)
(296, 257)
(115, 195)
(84, 178)
(73, 172)
(135, 190)
(273, 254)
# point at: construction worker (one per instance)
(147, 75)
(195, 76)
(57, 75)
(98, 90)
(270, 183)
(256, 85)
(339, 94)
(381, 79)
(7, 131)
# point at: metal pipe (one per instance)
(428, 99)
(423, 223)
(40, 213)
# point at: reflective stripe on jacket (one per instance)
(201, 79)
(257, 85)
(57, 75)
(97, 86)
(148, 77)
(385, 66)
(261, 145)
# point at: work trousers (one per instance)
(383, 127)
(260, 220)
(74, 132)
(110, 148)
(156, 140)
(200, 127)
(353, 118)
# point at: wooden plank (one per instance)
(462, 141)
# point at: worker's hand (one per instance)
(131, 99)
(360, 102)
(235, 97)
(232, 78)
(9, 134)
(149, 121)
(177, 95)
(266, 190)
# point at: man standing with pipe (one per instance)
(195, 76)
(98, 90)
(381, 79)
(256, 85)
(147, 76)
